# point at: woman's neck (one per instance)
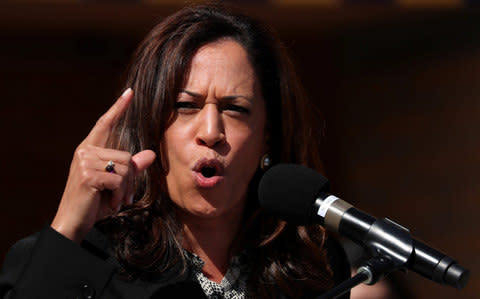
(211, 240)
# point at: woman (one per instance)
(161, 195)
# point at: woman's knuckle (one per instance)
(125, 157)
(84, 164)
(80, 152)
(86, 176)
(103, 121)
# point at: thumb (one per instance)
(143, 160)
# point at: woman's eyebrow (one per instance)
(225, 98)
(233, 97)
(191, 93)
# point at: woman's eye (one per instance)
(185, 106)
(236, 108)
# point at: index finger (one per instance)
(98, 136)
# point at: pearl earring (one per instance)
(265, 162)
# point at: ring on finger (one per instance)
(110, 166)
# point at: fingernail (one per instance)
(130, 200)
(126, 92)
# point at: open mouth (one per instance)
(208, 171)
(209, 168)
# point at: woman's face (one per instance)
(215, 143)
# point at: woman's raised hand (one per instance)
(92, 193)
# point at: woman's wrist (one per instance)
(76, 235)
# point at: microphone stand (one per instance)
(344, 286)
(370, 273)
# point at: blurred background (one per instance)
(396, 82)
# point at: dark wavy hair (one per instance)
(147, 235)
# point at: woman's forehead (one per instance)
(224, 65)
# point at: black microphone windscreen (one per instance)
(289, 191)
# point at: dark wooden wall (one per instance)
(398, 90)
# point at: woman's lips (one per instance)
(205, 182)
(211, 181)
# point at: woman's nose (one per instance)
(211, 131)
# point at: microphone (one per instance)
(299, 195)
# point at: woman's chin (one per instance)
(200, 208)
(204, 213)
(211, 206)
(207, 210)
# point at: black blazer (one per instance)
(48, 265)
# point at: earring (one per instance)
(265, 162)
